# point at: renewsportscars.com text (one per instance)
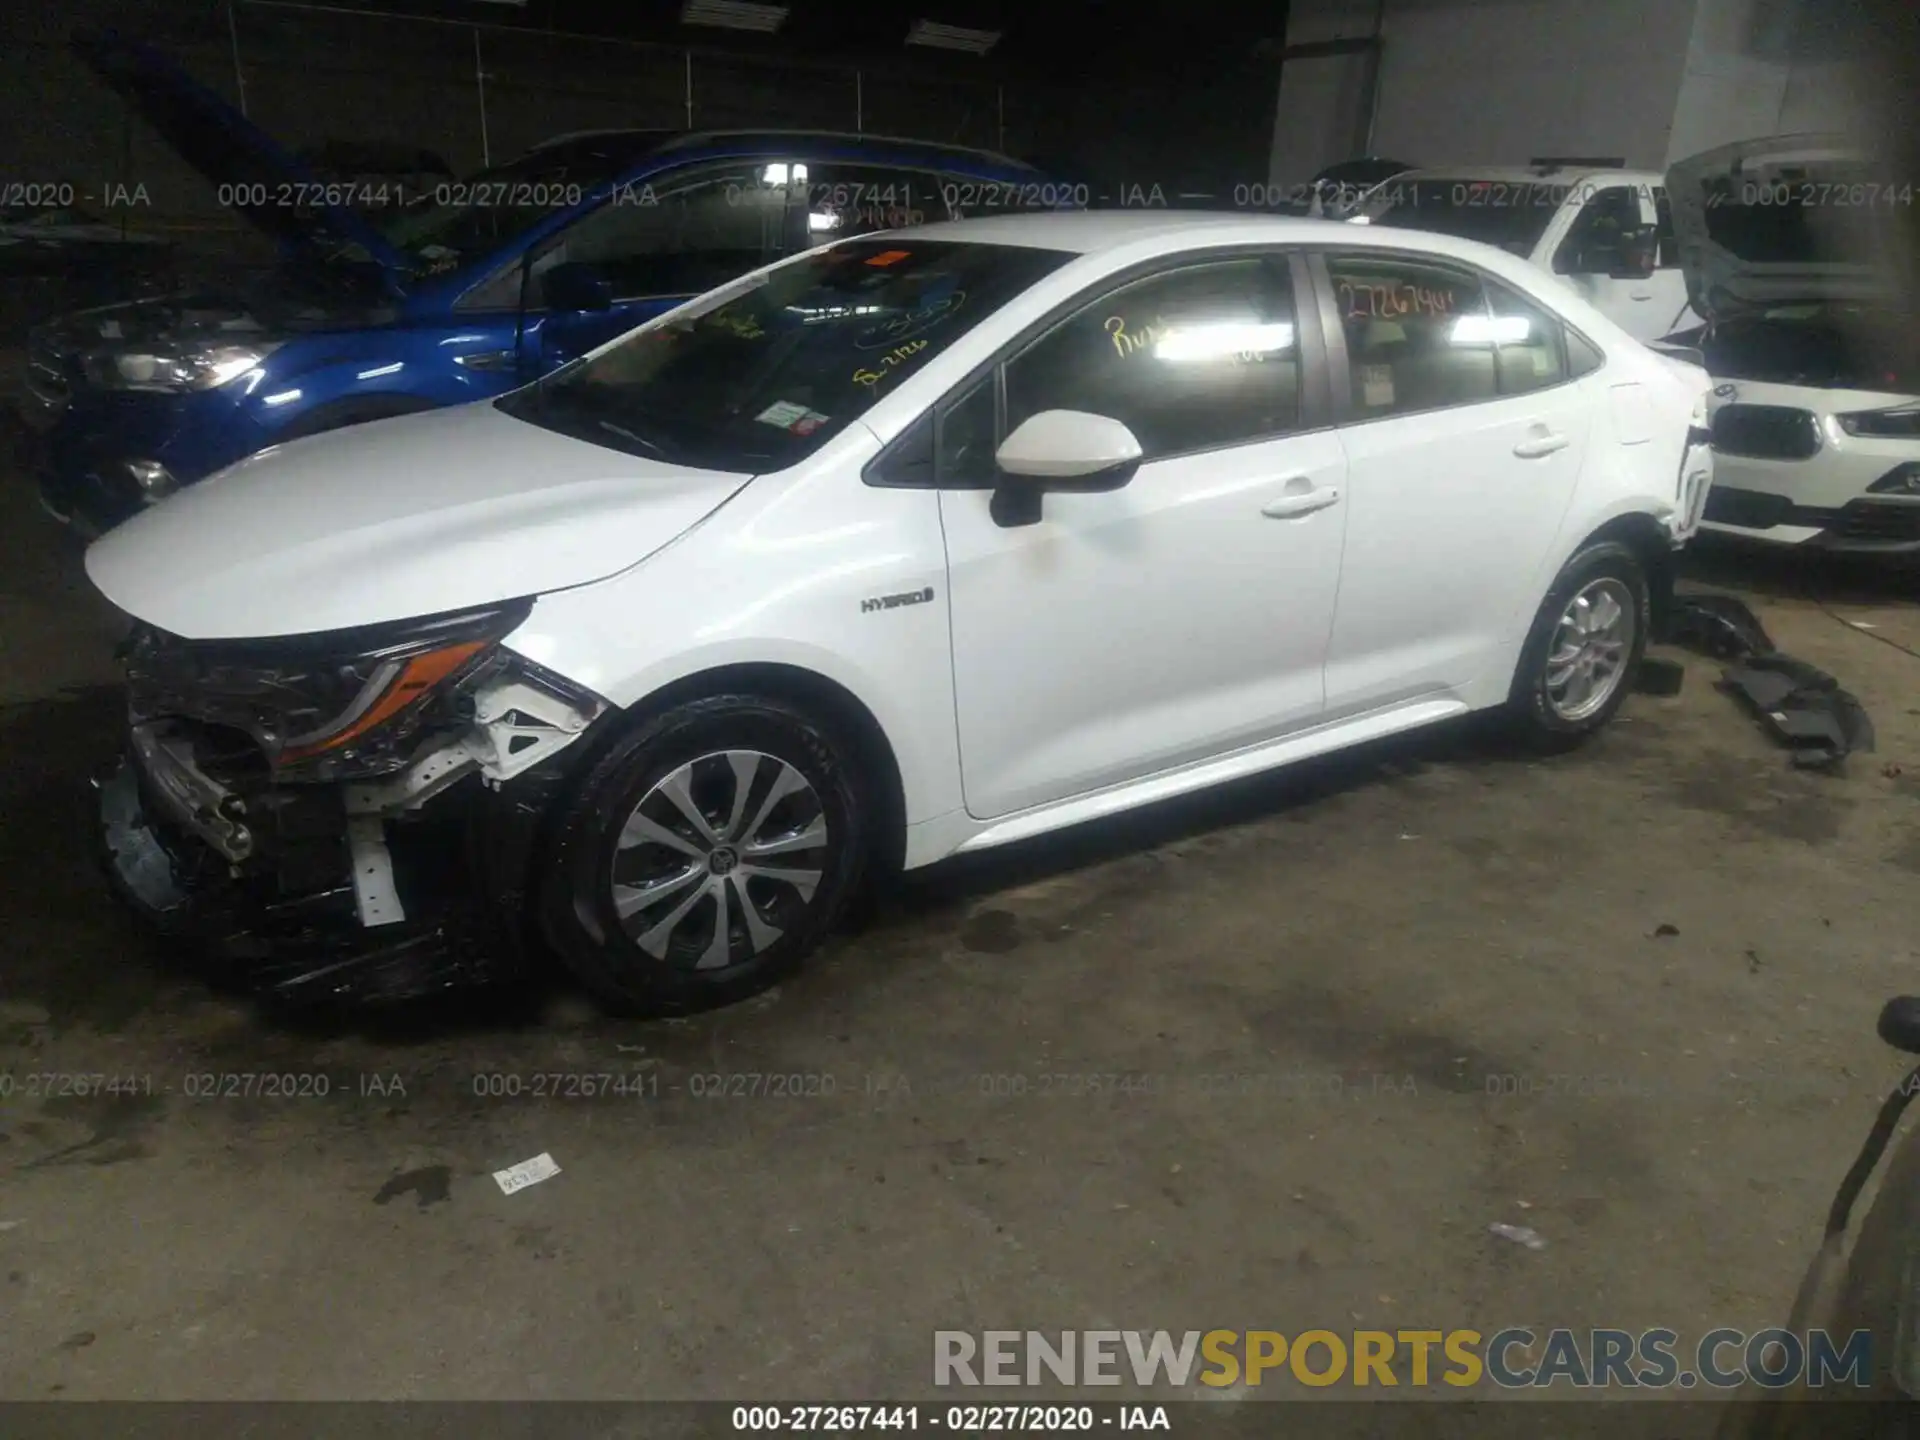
(1509, 1359)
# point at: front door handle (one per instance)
(1540, 445)
(1296, 503)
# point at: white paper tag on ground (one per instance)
(527, 1172)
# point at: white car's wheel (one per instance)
(1585, 644)
(705, 855)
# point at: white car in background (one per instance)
(1816, 413)
(915, 544)
(1603, 233)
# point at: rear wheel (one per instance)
(706, 854)
(1585, 644)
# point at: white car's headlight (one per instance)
(176, 371)
(1902, 422)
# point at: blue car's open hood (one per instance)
(238, 156)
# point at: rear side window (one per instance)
(1419, 334)
(1188, 360)
(1527, 341)
(1583, 356)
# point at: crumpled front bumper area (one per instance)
(294, 933)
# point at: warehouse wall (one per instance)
(471, 92)
(1495, 82)
(468, 92)
(1501, 81)
(1767, 67)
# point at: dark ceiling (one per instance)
(1079, 39)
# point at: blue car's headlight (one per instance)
(176, 371)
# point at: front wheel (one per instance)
(1585, 644)
(705, 855)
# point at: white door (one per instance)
(1181, 615)
(1643, 306)
(1669, 279)
(1469, 430)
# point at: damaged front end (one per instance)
(343, 815)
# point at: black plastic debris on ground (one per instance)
(1800, 705)
(1717, 625)
(1804, 707)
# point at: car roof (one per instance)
(1148, 234)
(1088, 232)
(636, 142)
(1533, 175)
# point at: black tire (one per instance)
(1531, 711)
(356, 410)
(577, 889)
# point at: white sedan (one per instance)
(915, 544)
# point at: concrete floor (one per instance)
(1372, 942)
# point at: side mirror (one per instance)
(1636, 254)
(576, 286)
(1067, 445)
(1060, 450)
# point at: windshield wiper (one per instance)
(654, 445)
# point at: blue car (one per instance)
(494, 281)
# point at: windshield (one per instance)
(1512, 214)
(461, 220)
(762, 379)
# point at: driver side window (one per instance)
(1593, 243)
(1195, 358)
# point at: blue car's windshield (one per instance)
(462, 220)
(759, 381)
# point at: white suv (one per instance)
(1607, 235)
(914, 544)
(1789, 246)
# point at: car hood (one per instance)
(1767, 222)
(231, 310)
(255, 174)
(393, 520)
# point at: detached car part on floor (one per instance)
(1801, 706)
(911, 545)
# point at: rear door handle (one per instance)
(1295, 504)
(1540, 445)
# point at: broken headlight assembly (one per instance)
(344, 705)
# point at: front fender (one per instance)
(325, 371)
